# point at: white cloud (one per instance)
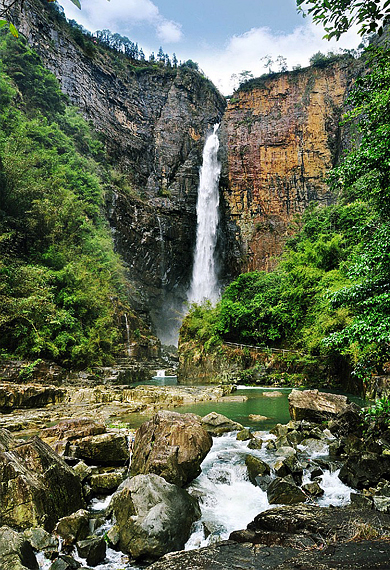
(169, 31)
(121, 16)
(244, 52)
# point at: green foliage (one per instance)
(378, 414)
(337, 16)
(62, 287)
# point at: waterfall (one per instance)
(204, 283)
(128, 336)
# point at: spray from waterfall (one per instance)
(204, 283)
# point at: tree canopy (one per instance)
(337, 16)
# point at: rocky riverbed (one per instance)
(72, 498)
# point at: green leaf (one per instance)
(76, 3)
(3, 23)
(13, 30)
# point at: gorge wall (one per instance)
(154, 120)
(279, 137)
(282, 136)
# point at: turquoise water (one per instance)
(259, 401)
(270, 402)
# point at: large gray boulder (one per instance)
(316, 406)
(36, 486)
(171, 445)
(152, 517)
(102, 449)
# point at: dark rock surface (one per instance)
(364, 555)
(171, 445)
(16, 552)
(37, 486)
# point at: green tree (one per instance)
(337, 16)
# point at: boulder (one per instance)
(244, 435)
(13, 396)
(16, 552)
(40, 539)
(284, 492)
(65, 562)
(365, 470)
(92, 549)
(152, 516)
(289, 466)
(256, 468)
(255, 443)
(316, 406)
(313, 489)
(171, 445)
(74, 527)
(105, 483)
(217, 424)
(36, 486)
(102, 449)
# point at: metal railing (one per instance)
(254, 348)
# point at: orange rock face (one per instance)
(282, 136)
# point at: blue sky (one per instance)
(224, 36)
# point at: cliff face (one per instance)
(282, 136)
(154, 121)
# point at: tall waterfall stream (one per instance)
(204, 284)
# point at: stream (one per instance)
(228, 500)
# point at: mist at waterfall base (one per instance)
(204, 281)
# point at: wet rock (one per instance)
(365, 470)
(153, 517)
(313, 489)
(359, 501)
(82, 470)
(244, 435)
(74, 527)
(40, 539)
(105, 483)
(255, 443)
(171, 445)
(16, 552)
(103, 449)
(289, 466)
(257, 417)
(316, 446)
(65, 562)
(284, 492)
(256, 468)
(294, 438)
(315, 406)
(347, 421)
(37, 486)
(217, 424)
(92, 549)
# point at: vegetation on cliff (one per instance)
(329, 295)
(63, 293)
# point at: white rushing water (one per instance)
(204, 284)
(229, 501)
(227, 498)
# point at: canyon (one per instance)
(279, 136)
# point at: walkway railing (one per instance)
(254, 348)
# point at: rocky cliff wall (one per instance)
(154, 121)
(282, 136)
